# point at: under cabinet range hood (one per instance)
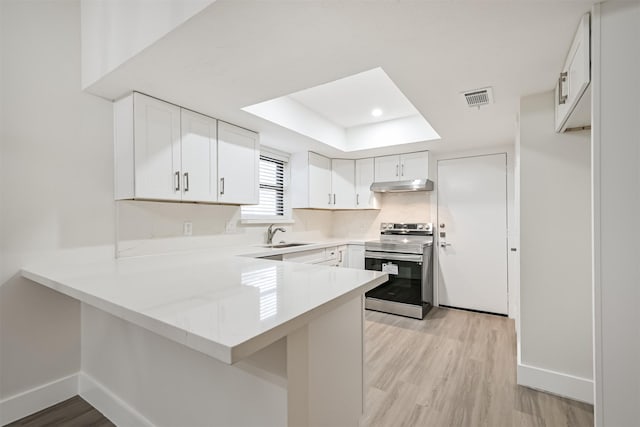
(402, 186)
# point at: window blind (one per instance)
(271, 190)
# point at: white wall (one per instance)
(365, 224)
(616, 184)
(157, 227)
(56, 190)
(114, 31)
(555, 253)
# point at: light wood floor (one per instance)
(455, 368)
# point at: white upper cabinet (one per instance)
(199, 157)
(318, 190)
(238, 165)
(164, 152)
(157, 149)
(319, 182)
(343, 183)
(402, 167)
(365, 198)
(387, 168)
(572, 97)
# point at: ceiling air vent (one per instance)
(478, 97)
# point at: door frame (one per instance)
(513, 258)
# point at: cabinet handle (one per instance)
(402, 170)
(221, 185)
(334, 198)
(329, 198)
(186, 181)
(562, 96)
(177, 176)
(357, 199)
(397, 170)
(339, 256)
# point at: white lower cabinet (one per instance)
(165, 152)
(324, 256)
(343, 256)
(355, 256)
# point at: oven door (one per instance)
(405, 276)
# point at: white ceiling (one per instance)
(339, 113)
(349, 101)
(241, 52)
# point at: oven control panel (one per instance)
(406, 228)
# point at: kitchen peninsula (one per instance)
(203, 338)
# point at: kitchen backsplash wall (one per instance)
(146, 227)
(402, 207)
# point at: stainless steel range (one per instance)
(404, 251)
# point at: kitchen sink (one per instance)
(285, 245)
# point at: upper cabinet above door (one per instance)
(573, 95)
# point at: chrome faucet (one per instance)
(272, 232)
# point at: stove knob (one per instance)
(420, 226)
(389, 226)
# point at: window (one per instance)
(274, 200)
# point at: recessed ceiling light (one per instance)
(376, 112)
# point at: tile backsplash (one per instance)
(145, 227)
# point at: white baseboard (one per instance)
(111, 406)
(28, 402)
(564, 385)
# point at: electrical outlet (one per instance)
(231, 226)
(187, 228)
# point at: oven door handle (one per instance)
(393, 256)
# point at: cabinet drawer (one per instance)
(314, 256)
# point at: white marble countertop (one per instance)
(214, 301)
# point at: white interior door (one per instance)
(472, 233)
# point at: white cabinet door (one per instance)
(343, 183)
(414, 165)
(355, 256)
(320, 195)
(238, 165)
(365, 198)
(387, 168)
(157, 149)
(343, 256)
(199, 158)
(574, 80)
